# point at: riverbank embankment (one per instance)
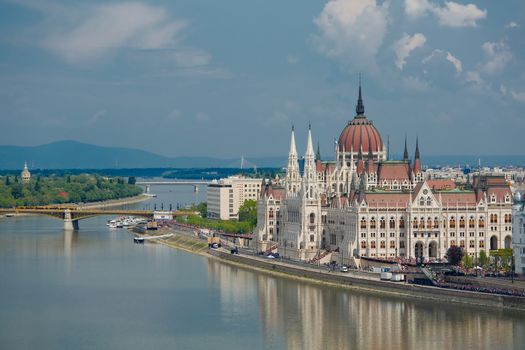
(358, 280)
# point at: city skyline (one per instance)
(196, 78)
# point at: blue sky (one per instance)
(229, 77)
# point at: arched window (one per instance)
(481, 222)
(422, 223)
(493, 218)
(461, 222)
(452, 222)
(383, 245)
(270, 213)
(471, 222)
(373, 244)
(373, 223)
(312, 238)
(452, 243)
(508, 218)
(436, 222)
(429, 222)
(401, 223)
(363, 223)
(421, 201)
(363, 244)
(414, 223)
(312, 218)
(429, 201)
(462, 244)
(392, 244)
(382, 223)
(392, 223)
(341, 188)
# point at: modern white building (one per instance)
(518, 233)
(365, 205)
(226, 196)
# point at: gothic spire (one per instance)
(293, 149)
(309, 144)
(318, 154)
(405, 153)
(416, 156)
(360, 108)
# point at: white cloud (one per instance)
(404, 46)
(192, 58)
(455, 62)
(512, 24)
(440, 54)
(352, 31)
(452, 14)
(498, 55)
(476, 80)
(417, 8)
(100, 30)
(516, 95)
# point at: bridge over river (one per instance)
(72, 214)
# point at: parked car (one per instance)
(270, 256)
(344, 268)
(215, 245)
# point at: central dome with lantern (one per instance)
(360, 137)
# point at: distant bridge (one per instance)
(72, 214)
(175, 182)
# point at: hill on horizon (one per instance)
(78, 155)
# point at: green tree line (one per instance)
(63, 189)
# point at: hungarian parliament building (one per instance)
(363, 204)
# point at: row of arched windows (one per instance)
(382, 223)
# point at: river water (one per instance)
(95, 289)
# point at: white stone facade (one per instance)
(367, 206)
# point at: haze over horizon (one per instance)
(224, 79)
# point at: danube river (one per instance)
(95, 289)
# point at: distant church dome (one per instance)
(26, 175)
(360, 133)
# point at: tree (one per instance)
(7, 181)
(454, 255)
(467, 261)
(483, 258)
(248, 212)
(132, 180)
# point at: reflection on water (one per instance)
(309, 316)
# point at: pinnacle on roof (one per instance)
(360, 108)
(405, 153)
(417, 148)
(293, 149)
(318, 154)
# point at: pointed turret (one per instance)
(318, 153)
(370, 165)
(293, 149)
(405, 153)
(360, 107)
(309, 144)
(417, 161)
(292, 171)
(360, 162)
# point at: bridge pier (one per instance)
(69, 223)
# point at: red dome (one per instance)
(360, 132)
